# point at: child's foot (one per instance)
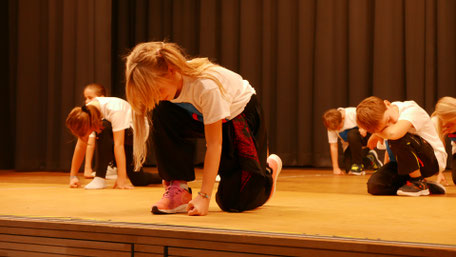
(175, 199)
(375, 162)
(414, 188)
(96, 183)
(436, 188)
(357, 169)
(275, 163)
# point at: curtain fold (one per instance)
(302, 56)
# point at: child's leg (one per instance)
(246, 179)
(137, 178)
(414, 154)
(386, 180)
(355, 142)
(347, 159)
(174, 132)
(104, 149)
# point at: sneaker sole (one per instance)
(179, 209)
(419, 193)
(362, 173)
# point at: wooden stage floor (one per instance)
(310, 207)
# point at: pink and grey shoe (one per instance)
(175, 199)
(275, 163)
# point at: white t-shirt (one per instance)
(206, 97)
(423, 127)
(349, 123)
(117, 111)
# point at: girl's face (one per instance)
(89, 95)
(170, 87)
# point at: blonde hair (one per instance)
(369, 113)
(332, 119)
(147, 66)
(445, 110)
(83, 119)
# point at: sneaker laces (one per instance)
(172, 190)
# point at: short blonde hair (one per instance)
(332, 119)
(369, 113)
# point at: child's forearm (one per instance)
(211, 166)
(396, 131)
(89, 153)
(78, 157)
(334, 155)
(119, 154)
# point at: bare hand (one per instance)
(363, 132)
(74, 183)
(372, 143)
(441, 179)
(122, 183)
(198, 206)
(338, 171)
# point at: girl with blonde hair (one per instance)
(194, 98)
(444, 118)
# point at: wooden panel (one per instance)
(62, 247)
(159, 249)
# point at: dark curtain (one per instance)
(56, 48)
(302, 56)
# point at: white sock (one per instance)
(96, 183)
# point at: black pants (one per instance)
(356, 152)
(245, 177)
(412, 153)
(105, 154)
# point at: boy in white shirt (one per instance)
(412, 139)
(341, 124)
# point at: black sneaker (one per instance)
(414, 188)
(375, 162)
(436, 188)
(357, 169)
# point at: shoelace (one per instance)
(169, 193)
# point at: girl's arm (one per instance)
(78, 158)
(213, 133)
(119, 153)
(89, 156)
(334, 149)
(396, 131)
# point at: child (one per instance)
(115, 129)
(341, 123)
(445, 113)
(90, 92)
(413, 141)
(196, 98)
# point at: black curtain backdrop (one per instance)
(302, 56)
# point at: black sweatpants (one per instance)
(356, 152)
(105, 154)
(246, 180)
(412, 153)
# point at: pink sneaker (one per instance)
(175, 199)
(275, 163)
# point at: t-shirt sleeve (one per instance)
(332, 137)
(214, 106)
(415, 115)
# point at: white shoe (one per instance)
(96, 183)
(275, 163)
(111, 173)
